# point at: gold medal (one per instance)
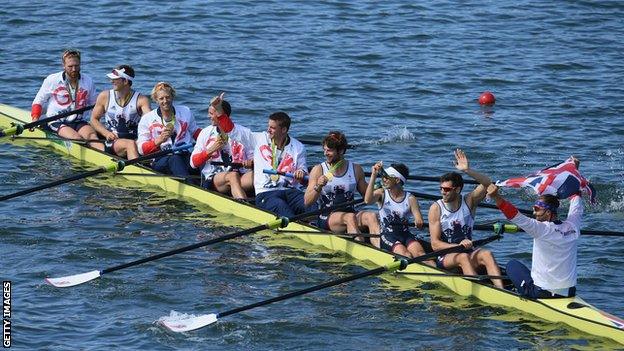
(275, 177)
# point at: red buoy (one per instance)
(487, 98)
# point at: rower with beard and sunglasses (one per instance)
(167, 126)
(451, 220)
(335, 181)
(65, 91)
(395, 206)
(555, 244)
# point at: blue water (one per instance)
(400, 79)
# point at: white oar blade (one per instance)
(179, 325)
(72, 280)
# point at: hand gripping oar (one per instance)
(72, 280)
(17, 129)
(192, 323)
(113, 167)
(497, 227)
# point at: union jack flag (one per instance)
(562, 180)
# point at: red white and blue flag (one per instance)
(562, 180)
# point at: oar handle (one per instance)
(285, 174)
(43, 121)
(449, 250)
(230, 164)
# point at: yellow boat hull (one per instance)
(572, 311)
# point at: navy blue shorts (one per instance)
(75, 125)
(389, 240)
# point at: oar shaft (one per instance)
(81, 141)
(375, 271)
(56, 117)
(285, 174)
(436, 197)
(55, 183)
(273, 225)
(231, 164)
(186, 248)
(428, 178)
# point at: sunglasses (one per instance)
(447, 188)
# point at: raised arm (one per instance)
(478, 194)
(371, 195)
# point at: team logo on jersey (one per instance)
(61, 96)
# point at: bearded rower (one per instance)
(117, 113)
(335, 181)
(451, 220)
(164, 127)
(226, 142)
(65, 91)
(395, 206)
(555, 245)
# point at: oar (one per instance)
(160, 175)
(231, 164)
(428, 178)
(285, 174)
(346, 235)
(192, 323)
(318, 143)
(481, 204)
(79, 141)
(497, 227)
(17, 129)
(469, 277)
(512, 228)
(72, 280)
(112, 167)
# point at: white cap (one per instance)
(119, 73)
(394, 173)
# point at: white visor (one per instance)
(394, 173)
(119, 73)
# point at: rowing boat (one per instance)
(574, 312)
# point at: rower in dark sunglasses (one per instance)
(451, 220)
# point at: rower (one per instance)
(164, 127)
(555, 245)
(225, 142)
(65, 91)
(117, 113)
(335, 181)
(275, 150)
(451, 220)
(395, 206)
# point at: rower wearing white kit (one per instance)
(336, 181)
(225, 142)
(65, 91)
(395, 207)
(555, 244)
(117, 113)
(167, 126)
